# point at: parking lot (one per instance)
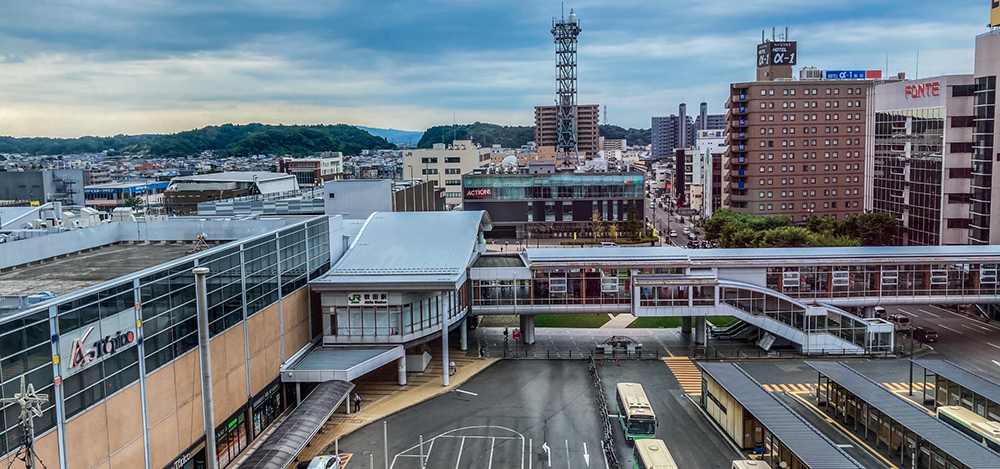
(516, 414)
(693, 440)
(537, 414)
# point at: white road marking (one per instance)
(950, 329)
(901, 310)
(612, 416)
(466, 392)
(928, 312)
(567, 454)
(947, 311)
(493, 443)
(971, 329)
(548, 452)
(845, 446)
(992, 345)
(996, 362)
(531, 455)
(450, 434)
(586, 455)
(458, 460)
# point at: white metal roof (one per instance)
(410, 247)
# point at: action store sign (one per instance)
(91, 344)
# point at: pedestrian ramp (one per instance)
(687, 374)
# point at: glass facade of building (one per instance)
(556, 186)
(159, 305)
(909, 149)
(422, 315)
(984, 112)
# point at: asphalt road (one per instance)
(693, 440)
(966, 341)
(515, 407)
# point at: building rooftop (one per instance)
(812, 447)
(835, 255)
(78, 271)
(235, 176)
(916, 419)
(126, 184)
(962, 376)
(410, 248)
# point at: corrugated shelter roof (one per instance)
(834, 255)
(290, 438)
(916, 419)
(814, 449)
(963, 377)
(410, 247)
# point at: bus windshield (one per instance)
(638, 426)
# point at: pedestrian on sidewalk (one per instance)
(357, 402)
(482, 352)
(452, 369)
(505, 333)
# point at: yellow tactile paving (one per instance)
(686, 373)
(382, 397)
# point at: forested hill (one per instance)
(482, 133)
(487, 135)
(224, 140)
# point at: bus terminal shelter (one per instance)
(760, 423)
(949, 384)
(905, 430)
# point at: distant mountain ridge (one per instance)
(394, 135)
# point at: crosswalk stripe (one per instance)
(686, 373)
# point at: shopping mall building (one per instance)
(116, 351)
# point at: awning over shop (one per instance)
(323, 364)
(290, 438)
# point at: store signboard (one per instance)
(368, 298)
(478, 193)
(91, 344)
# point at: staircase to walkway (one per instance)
(382, 396)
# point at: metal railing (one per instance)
(607, 441)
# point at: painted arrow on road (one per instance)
(586, 455)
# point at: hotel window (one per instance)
(793, 92)
(836, 104)
(784, 92)
(836, 91)
(770, 118)
(850, 91)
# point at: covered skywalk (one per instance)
(898, 427)
(949, 385)
(288, 440)
(757, 421)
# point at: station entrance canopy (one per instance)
(322, 364)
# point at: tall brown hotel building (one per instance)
(796, 147)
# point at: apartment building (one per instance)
(443, 165)
(588, 118)
(313, 172)
(796, 148)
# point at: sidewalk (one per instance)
(382, 396)
(620, 321)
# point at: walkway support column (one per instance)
(463, 343)
(401, 367)
(205, 352)
(699, 330)
(685, 324)
(528, 331)
(444, 351)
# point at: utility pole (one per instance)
(31, 407)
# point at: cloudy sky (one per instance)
(85, 67)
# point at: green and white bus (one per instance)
(634, 412)
(986, 432)
(652, 454)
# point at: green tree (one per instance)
(872, 228)
(633, 225)
(134, 203)
(596, 224)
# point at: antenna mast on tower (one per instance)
(565, 32)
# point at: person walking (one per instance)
(357, 402)
(506, 332)
(482, 352)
